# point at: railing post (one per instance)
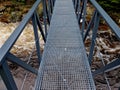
(19, 62)
(78, 9)
(81, 12)
(5, 54)
(53, 2)
(7, 77)
(114, 27)
(40, 27)
(75, 6)
(45, 16)
(89, 26)
(94, 35)
(83, 17)
(34, 22)
(51, 6)
(49, 10)
(74, 3)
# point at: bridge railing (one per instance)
(5, 53)
(81, 13)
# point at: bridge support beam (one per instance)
(19, 62)
(34, 21)
(7, 77)
(40, 27)
(45, 16)
(94, 35)
(113, 65)
(89, 26)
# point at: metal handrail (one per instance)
(7, 46)
(93, 25)
(114, 27)
(5, 49)
(14, 36)
(81, 14)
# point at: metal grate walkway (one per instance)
(64, 64)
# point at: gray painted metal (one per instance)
(19, 62)
(37, 43)
(115, 28)
(45, 16)
(14, 36)
(5, 49)
(40, 27)
(64, 64)
(89, 26)
(7, 77)
(83, 17)
(111, 66)
(94, 35)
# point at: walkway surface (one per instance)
(64, 63)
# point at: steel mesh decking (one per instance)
(64, 63)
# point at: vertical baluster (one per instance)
(51, 2)
(44, 17)
(40, 27)
(74, 3)
(49, 9)
(94, 35)
(7, 77)
(83, 17)
(78, 9)
(47, 14)
(34, 22)
(81, 12)
(89, 26)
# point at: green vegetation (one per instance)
(112, 7)
(24, 1)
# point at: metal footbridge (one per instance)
(64, 64)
